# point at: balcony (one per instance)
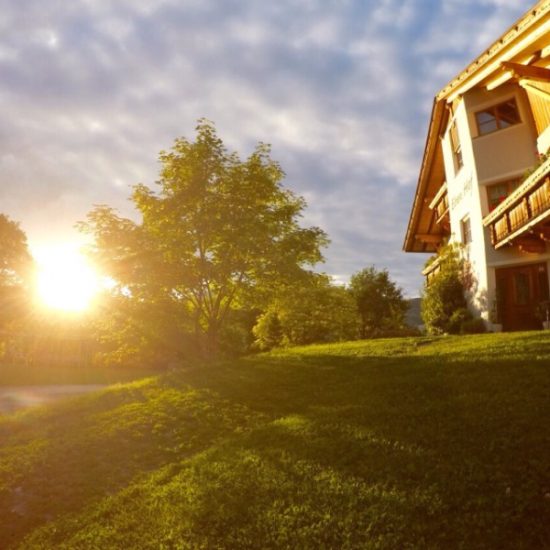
(522, 217)
(440, 206)
(432, 269)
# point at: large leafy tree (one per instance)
(379, 300)
(218, 232)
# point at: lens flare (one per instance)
(65, 279)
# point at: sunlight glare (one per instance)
(65, 279)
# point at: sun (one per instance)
(65, 280)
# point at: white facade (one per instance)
(488, 159)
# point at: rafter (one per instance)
(429, 238)
(527, 71)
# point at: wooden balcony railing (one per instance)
(432, 269)
(440, 205)
(527, 208)
(442, 209)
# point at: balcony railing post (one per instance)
(528, 207)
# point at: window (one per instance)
(466, 231)
(456, 148)
(497, 117)
(498, 192)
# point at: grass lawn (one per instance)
(404, 443)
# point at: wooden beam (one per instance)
(544, 233)
(428, 238)
(499, 80)
(532, 245)
(438, 196)
(527, 71)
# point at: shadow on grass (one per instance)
(300, 451)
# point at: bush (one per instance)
(473, 326)
(380, 302)
(313, 311)
(458, 320)
(268, 331)
(444, 307)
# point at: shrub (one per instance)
(444, 306)
(379, 300)
(268, 331)
(473, 326)
(458, 320)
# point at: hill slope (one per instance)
(432, 443)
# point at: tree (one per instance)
(219, 233)
(15, 273)
(15, 270)
(15, 259)
(313, 311)
(379, 301)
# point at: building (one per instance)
(485, 175)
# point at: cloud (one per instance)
(92, 90)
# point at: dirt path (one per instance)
(14, 398)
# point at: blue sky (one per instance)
(92, 90)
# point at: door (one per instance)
(520, 290)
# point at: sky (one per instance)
(92, 90)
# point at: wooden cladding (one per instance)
(539, 99)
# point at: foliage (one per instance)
(371, 444)
(268, 330)
(475, 325)
(16, 269)
(15, 259)
(149, 332)
(236, 336)
(220, 234)
(458, 318)
(379, 301)
(443, 302)
(313, 311)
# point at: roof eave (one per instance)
(501, 50)
(432, 141)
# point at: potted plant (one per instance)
(494, 317)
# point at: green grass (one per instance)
(405, 443)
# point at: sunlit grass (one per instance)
(406, 443)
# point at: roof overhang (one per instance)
(430, 180)
(524, 43)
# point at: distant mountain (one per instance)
(412, 317)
